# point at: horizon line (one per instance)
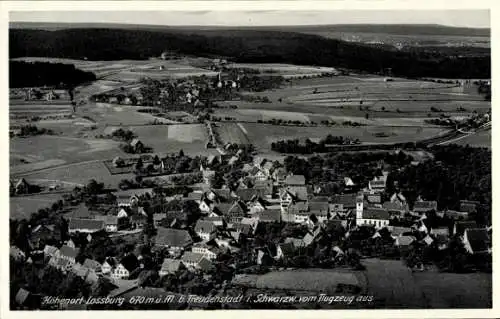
(258, 26)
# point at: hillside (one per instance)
(247, 45)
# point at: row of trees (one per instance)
(309, 147)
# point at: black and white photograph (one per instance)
(333, 159)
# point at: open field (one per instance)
(164, 139)
(448, 290)
(24, 206)
(285, 70)
(262, 135)
(314, 280)
(357, 95)
(109, 114)
(44, 151)
(481, 139)
(232, 133)
(79, 173)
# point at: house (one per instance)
(125, 267)
(206, 206)
(256, 205)
(252, 222)
(26, 299)
(81, 212)
(378, 183)
(258, 174)
(45, 233)
(404, 241)
(373, 198)
(296, 242)
(320, 208)
(343, 202)
(218, 195)
(50, 251)
(63, 265)
(192, 260)
(171, 266)
(211, 252)
(299, 211)
(85, 225)
(460, 227)
(248, 195)
(205, 230)
(108, 265)
(158, 217)
(265, 188)
(176, 240)
(398, 230)
(68, 253)
(477, 241)
(110, 222)
(22, 186)
(468, 206)
(295, 180)
(264, 257)
(377, 217)
(398, 198)
(243, 229)
(137, 145)
(279, 175)
(93, 266)
(123, 212)
(285, 251)
(395, 209)
(442, 231)
(348, 182)
(269, 216)
(292, 194)
(218, 221)
(424, 206)
(452, 214)
(195, 196)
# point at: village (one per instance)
(266, 220)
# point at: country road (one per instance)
(54, 167)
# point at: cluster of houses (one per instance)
(267, 194)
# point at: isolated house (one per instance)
(22, 186)
(137, 145)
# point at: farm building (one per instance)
(176, 240)
(85, 225)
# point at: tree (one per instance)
(181, 153)
(148, 278)
(156, 160)
(102, 287)
(139, 165)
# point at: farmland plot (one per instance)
(166, 139)
(23, 206)
(262, 135)
(232, 133)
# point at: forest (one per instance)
(243, 46)
(26, 74)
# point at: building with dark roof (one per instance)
(424, 206)
(295, 180)
(170, 266)
(477, 241)
(177, 240)
(85, 225)
(460, 227)
(205, 229)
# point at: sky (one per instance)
(457, 18)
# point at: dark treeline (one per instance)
(27, 74)
(455, 174)
(243, 46)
